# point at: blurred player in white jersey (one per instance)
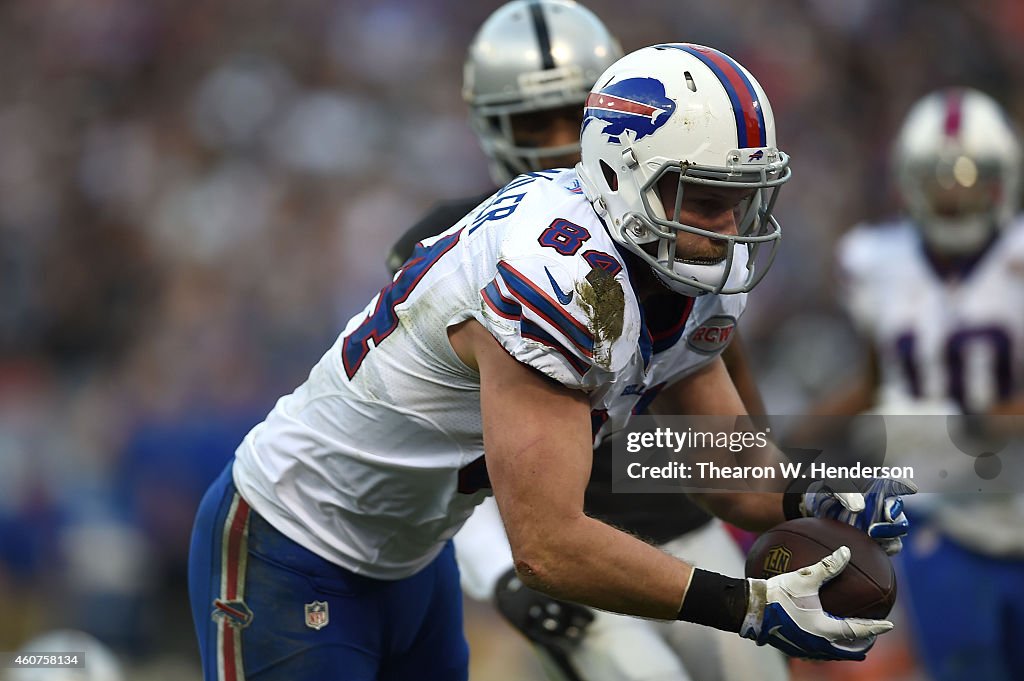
(524, 128)
(939, 297)
(325, 548)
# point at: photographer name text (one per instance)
(706, 470)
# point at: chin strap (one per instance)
(681, 288)
(666, 253)
(590, 191)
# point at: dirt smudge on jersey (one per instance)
(602, 299)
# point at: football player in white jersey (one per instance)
(938, 297)
(324, 549)
(522, 128)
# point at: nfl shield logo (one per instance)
(317, 615)
(777, 560)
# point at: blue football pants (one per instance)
(967, 609)
(267, 609)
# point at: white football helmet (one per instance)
(531, 55)
(691, 111)
(957, 163)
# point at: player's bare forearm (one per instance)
(711, 392)
(1011, 407)
(737, 364)
(754, 511)
(537, 438)
(589, 562)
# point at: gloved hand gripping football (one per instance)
(878, 511)
(785, 612)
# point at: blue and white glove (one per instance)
(785, 612)
(878, 512)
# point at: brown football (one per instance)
(866, 588)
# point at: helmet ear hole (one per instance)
(609, 176)
(690, 84)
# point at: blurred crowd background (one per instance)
(196, 195)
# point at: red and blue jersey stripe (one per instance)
(502, 306)
(535, 299)
(534, 332)
(510, 309)
(746, 106)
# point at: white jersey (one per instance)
(944, 341)
(376, 460)
(938, 338)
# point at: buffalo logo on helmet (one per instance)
(756, 156)
(776, 561)
(635, 104)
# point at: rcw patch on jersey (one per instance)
(636, 104)
(713, 335)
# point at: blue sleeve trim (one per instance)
(534, 298)
(530, 330)
(502, 306)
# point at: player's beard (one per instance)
(700, 250)
(694, 249)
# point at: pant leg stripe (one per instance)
(234, 548)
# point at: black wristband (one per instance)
(791, 505)
(715, 600)
(792, 497)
